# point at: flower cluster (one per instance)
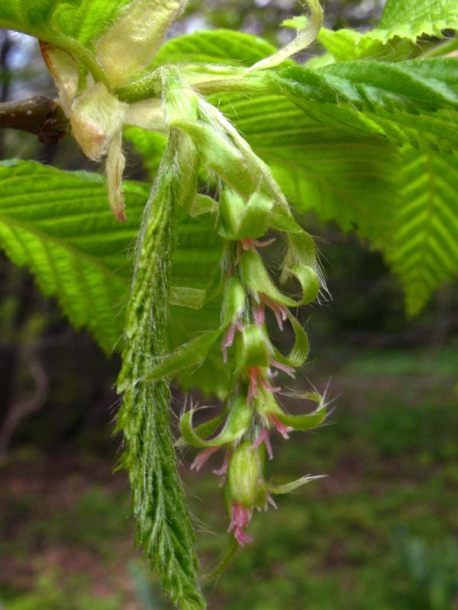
(251, 208)
(253, 411)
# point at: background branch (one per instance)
(39, 115)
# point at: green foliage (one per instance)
(406, 102)
(164, 527)
(395, 38)
(52, 232)
(412, 18)
(214, 46)
(48, 221)
(432, 571)
(82, 20)
(425, 252)
(48, 594)
(367, 144)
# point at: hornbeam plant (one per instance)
(233, 132)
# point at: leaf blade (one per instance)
(47, 221)
(82, 20)
(424, 253)
(412, 18)
(408, 102)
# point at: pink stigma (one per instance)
(280, 311)
(289, 370)
(228, 340)
(259, 314)
(282, 428)
(256, 377)
(202, 458)
(264, 437)
(223, 469)
(240, 518)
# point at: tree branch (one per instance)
(39, 115)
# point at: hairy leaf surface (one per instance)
(60, 226)
(412, 18)
(83, 20)
(214, 46)
(159, 505)
(414, 102)
(348, 45)
(396, 36)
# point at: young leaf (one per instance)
(304, 37)
(132, 42)
(214, 46)
(425, 250)
(396, 36)
(412, 18)
(348, 45)
(163, 524)
(82, 20)
(412, 102)
(57, 224)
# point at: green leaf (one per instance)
(412, 18)
(214, 46)
(412, 102)
(396, 36)
(317, 166)
(343, 178)
(197, 266)
(149, 145)
(424, 253)
(163, 524)
(346, 179)
(48, 20)
(348, 45)
(59, 225)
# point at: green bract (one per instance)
(237, 423)
(259, 281)
(245, 481)
(239, 220)
(234, 303)
(251, 348)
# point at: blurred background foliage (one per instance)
(379, 532)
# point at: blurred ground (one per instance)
(379, 532)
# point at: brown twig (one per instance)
(39, 115)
